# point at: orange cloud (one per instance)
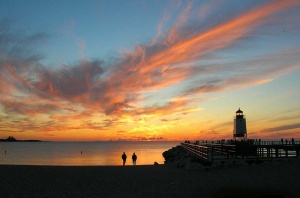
(190, 49)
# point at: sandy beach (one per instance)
(279, 179)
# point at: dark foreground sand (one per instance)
(279, 179)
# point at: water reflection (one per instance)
(82, 153)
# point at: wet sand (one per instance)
(278, 179)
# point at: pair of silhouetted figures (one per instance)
(134, 158)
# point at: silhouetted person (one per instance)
(281, 141)
(293, 141)
(124, 157)
(134, 158)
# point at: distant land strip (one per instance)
(12, 139)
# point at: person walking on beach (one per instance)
(124, 157)
(134, 158)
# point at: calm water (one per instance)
(93, 153)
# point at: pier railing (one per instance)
(225, 149)
(260, 150)
(203, 152)
(270, 142)
(210, 152)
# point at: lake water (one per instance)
(82, 153)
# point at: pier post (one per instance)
(276, 152)
(297, 153)
(209, 154)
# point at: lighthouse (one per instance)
(240, 130)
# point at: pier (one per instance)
(246, 150)
(240, 147)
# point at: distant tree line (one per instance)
(9, 139)
(12, 139)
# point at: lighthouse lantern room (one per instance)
(240, 130)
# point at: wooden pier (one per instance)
(246, 150)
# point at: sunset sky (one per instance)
(148, 70)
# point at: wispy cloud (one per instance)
(281, 128)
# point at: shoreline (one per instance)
(281, 179)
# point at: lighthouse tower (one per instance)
(240, 130)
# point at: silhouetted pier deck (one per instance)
(247, 150)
